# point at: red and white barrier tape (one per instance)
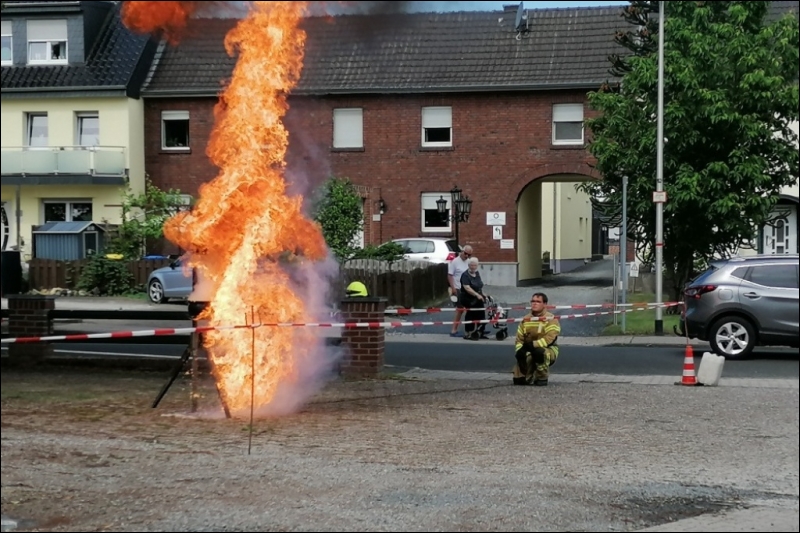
(343, 325)
(409, 311)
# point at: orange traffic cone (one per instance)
(689, 377)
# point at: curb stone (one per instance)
(555, 378)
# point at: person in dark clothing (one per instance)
(472, 298)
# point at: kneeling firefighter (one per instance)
(536, 344)
(356, 289)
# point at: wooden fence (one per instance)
(53, 274)
(402, 283)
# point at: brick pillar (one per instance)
(364, 346)
(29, 316)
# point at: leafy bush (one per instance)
(390, 251)
(106, 277)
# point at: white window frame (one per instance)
(429, 199)
(572, 114)
(49, 42)
(348, 127)
(68, 210)
(176, 115)
(29, 131)
(79, 116)
(359, 238)
(437, 117)
(6, 31)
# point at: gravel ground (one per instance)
(82, 451)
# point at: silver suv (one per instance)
(742, 302)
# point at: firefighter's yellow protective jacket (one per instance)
(541, 332)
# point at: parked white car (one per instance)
(432, 250)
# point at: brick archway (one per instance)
(549, 169)
(529, 223)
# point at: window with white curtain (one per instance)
(432, 220)
(7, 54)
(47, 42)
(568, 124)
(175, 130)
(88, 129)
(437, 126)
(348, 128)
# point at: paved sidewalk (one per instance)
(739, 520)
(555, 378)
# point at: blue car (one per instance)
(173, 281)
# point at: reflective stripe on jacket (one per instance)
(540, 333)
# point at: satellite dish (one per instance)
(521, 17)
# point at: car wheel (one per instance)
(155, 291)
(732, 337)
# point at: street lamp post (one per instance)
(659, 322)
(461, 208)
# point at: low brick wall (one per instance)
(29, 316)
(364, 347)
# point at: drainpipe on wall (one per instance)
(18, 216)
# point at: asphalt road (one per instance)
(489, 357)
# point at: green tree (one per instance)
(730, 91)
(340, 214)
(143, 219)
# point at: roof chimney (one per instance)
(510, 8)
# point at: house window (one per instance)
(67, 211)
(88, 129)
(47, 42)
(432, 220)
(175, 130)
(437, 126)
(6, 43)
(36, 130)
(568, 124)
(348, 128)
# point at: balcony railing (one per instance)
(63, 160)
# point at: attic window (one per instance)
(47, 42)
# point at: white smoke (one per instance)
(316, 360)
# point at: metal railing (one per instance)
(63, 160)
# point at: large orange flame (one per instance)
(244, 222)
(167, 18)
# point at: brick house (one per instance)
(73, 130)
(407, 106)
